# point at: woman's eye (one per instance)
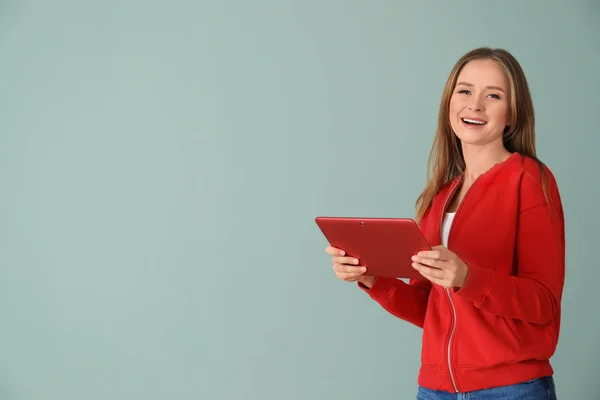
(495, 96)
(464, 91)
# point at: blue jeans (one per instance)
(537, 389)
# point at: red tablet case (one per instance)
(383, 245)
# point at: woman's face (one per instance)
(479, 105)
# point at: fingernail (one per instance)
(363, 269)
(355, 261)
(342, 252)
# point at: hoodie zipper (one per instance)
(454, 316)
(451, 195)
(450, 340)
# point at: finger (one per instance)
(434, 263)
(345, 260)
(343, 268)
(348, 277)
(333, 251)
(429, 272)
(435, 254)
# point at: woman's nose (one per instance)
(475, 104)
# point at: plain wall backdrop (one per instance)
(162, 163)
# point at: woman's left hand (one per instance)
(441, 266)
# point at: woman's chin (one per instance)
(473, 139)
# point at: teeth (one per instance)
(473, 121)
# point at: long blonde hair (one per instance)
(446, 160)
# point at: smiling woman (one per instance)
(489, 292)
(478, 111)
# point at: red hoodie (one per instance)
(502, 326)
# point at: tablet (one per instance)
(383, 245)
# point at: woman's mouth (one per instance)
(473, 122)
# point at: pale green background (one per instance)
(161, 165)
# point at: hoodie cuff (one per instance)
(477, 285)
(381, 290)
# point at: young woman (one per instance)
(488, 296)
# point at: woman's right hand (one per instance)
(347, 268)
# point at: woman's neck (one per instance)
(479, 159)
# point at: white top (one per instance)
(446, 224)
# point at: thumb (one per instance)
(444, 252)
(440, 248)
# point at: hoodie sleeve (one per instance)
(407, 301)
(534, 293)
